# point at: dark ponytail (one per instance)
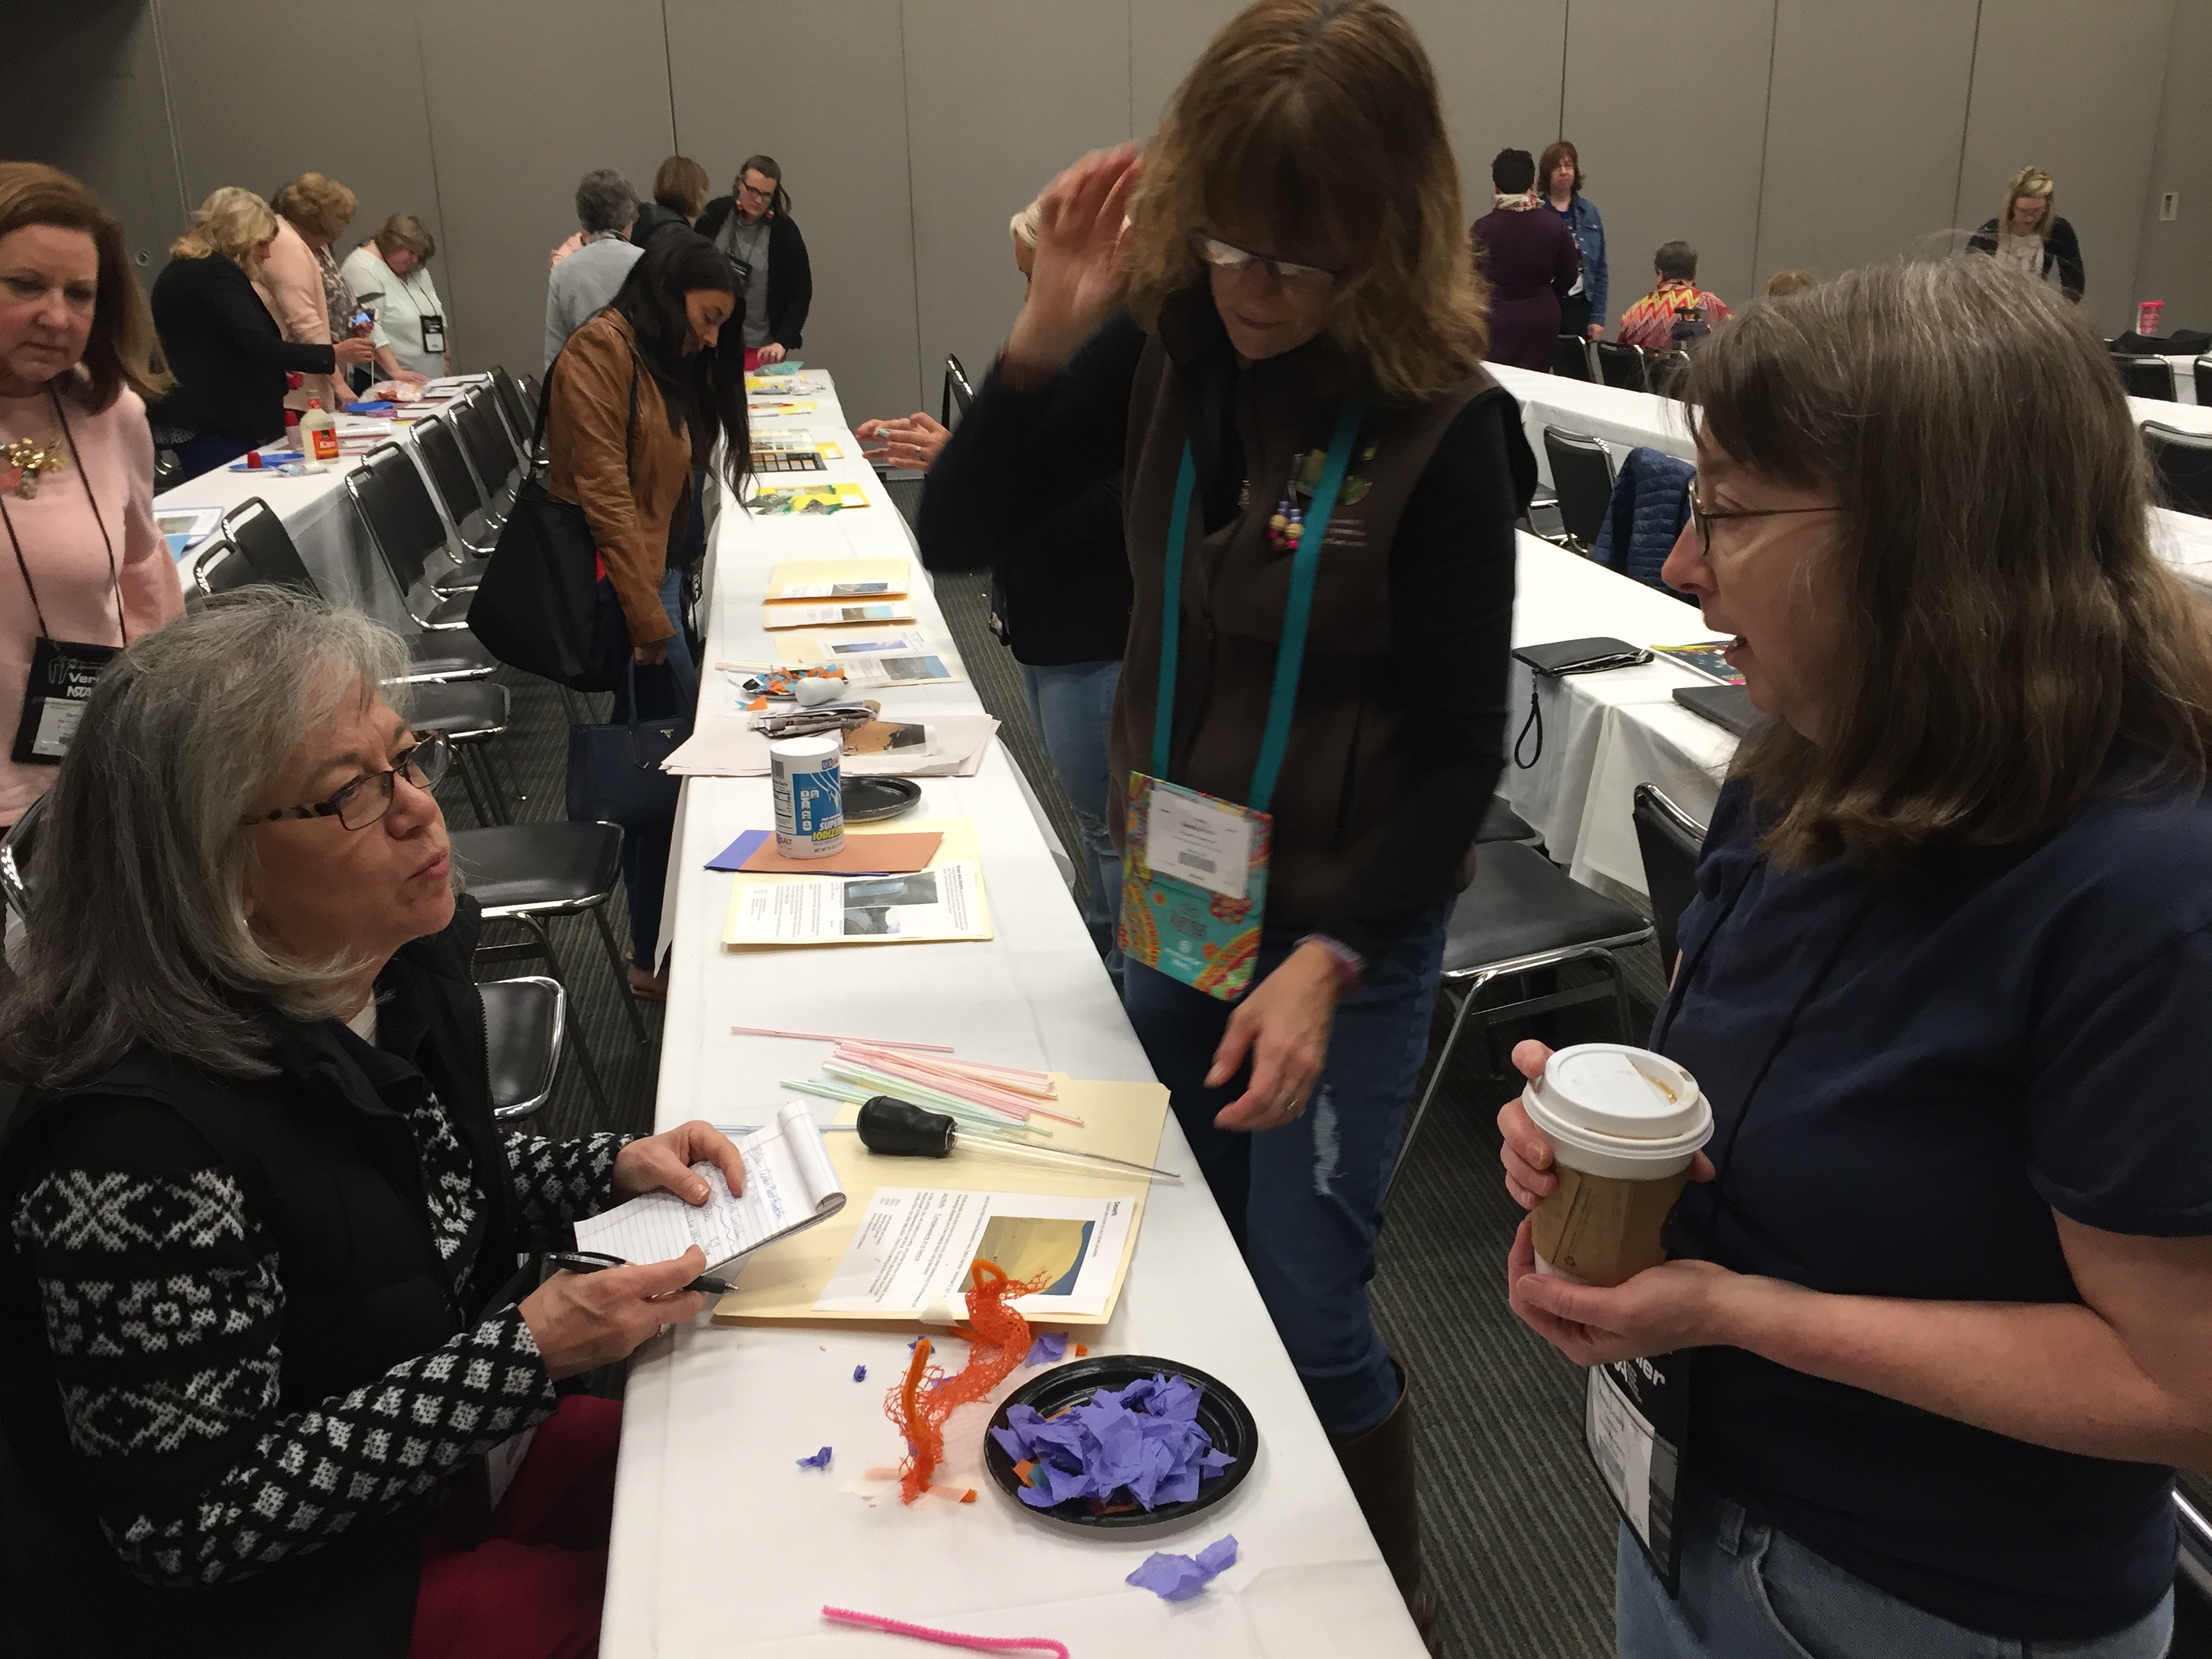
(707, 387)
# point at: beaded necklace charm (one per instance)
(1288, 527)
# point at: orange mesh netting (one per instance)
(998, 1342)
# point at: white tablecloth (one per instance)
(1604, 733)
(1622, 419)
(720, 1541)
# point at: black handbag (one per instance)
(1558, 658)
(541, 606)
(614, 771)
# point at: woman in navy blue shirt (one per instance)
(1947, 1273)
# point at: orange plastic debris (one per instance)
(926, 1397)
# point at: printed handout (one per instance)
(945, 902)
(915, 1247)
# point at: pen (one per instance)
(591, 1261)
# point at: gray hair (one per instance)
(138, 934)
(604, 201)
(1676, 261)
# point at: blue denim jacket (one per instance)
(1582, 217)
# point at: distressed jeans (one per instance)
(1306, 1201)
(1750, 1592)
(1071, 703)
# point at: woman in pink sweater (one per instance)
(84, 571)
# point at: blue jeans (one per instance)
(207, 452)
(645, 857)
(1071, 703)
(1306, 1201)
(1749, 1592)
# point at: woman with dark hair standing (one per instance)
(85, 571)
(1530, 260)
(1320, 482)
(753, 225)
(1947, 1275)
(1559, 188)
(638, 396)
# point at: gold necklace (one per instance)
(31, 458)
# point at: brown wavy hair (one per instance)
(1320, 117)
(121, 350)
(317, 205)
(1552, 155)
(2010, 633)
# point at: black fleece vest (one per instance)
(328, 1164)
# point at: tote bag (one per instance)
(540, 607)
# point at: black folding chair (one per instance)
(1570, 356)
(1581, 476)
(494, 455)
(1669, 839)
(519, 412)
(440, 447)
(2201, 371)
(2146, 377)
(2183, 460)
(394, 503)
(1522, 915)
(524, 1019)
(1622, 366)
(956, 395)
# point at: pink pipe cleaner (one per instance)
(950, 1639)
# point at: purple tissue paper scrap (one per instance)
(819, 1460)
(1173, 1577)
(1049, 1349)
(1105, 1447)
(859, 1373)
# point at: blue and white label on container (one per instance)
(810, 797)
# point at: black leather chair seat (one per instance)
(461, 579)
(1501, 823)
(454, 654)
(522, 1028)
(1521, 904)
(452, 612)
(540, 866)
(460, 709)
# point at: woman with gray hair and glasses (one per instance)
(265, 1357)
(590, 268)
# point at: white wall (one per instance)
(1820, 133)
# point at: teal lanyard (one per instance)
(1297, 611)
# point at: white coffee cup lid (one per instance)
(807, 749)
(1617, 1094)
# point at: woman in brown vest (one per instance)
(1278, 350)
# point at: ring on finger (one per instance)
(1292, 1107)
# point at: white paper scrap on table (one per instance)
(934, 903)
(790, 1184)
(725, 745)
(914, 1247)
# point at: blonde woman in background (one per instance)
(300, 282)
(2031, 237)
(388, 275)
(221, 343)
(1781, 284)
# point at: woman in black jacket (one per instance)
(228, 356)
(1313, 463)
(2032, 237)
(265, 1354)
(753, 225)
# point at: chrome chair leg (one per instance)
(621, 971)
(1467, 1001)
(559, 970)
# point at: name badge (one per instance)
(1194, 918)
(1634, 1423)
(61, 679)
(1199, 839)
(433, 334)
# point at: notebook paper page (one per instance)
(790, 1184)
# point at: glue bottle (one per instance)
(319, 437)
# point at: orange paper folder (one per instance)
(890, 855)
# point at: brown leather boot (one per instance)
(1379, 1465)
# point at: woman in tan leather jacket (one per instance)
(640, 395)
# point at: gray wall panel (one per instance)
(1000, 95)
(2174, 261)
(1497, 70)
(1670, 120)
(844, 161)
(1165, 37)
(2073, 89)
(82, 92)
(1842, 190)
(522, 104)
(303, 108)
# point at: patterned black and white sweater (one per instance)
(163, 1306)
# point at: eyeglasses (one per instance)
(755, 191)
(1706, 517)
(1227, 256)
(368, 797)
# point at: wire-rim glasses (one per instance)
(1227, 256)
(1706, 517)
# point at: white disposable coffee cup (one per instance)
(1623, 1124)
